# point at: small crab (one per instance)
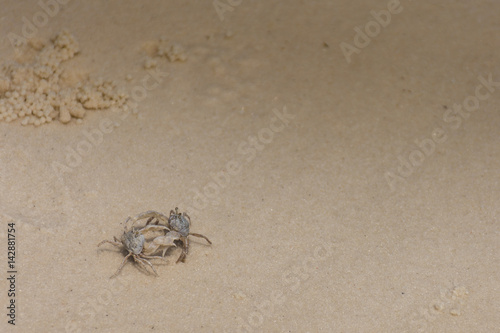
(134, 242)
(178, 224)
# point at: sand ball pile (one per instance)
(162, 48)
(36, 93)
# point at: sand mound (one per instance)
(36, 93)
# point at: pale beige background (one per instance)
(422, 256)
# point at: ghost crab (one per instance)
(134, 242)
(178, 225)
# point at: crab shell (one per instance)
(133, 241)
(180, 224)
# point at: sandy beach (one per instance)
(342, 157)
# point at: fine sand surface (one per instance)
(351, 192)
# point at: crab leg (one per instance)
(110, 242)
(142, 261)
(201, 236)
(121, 266)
